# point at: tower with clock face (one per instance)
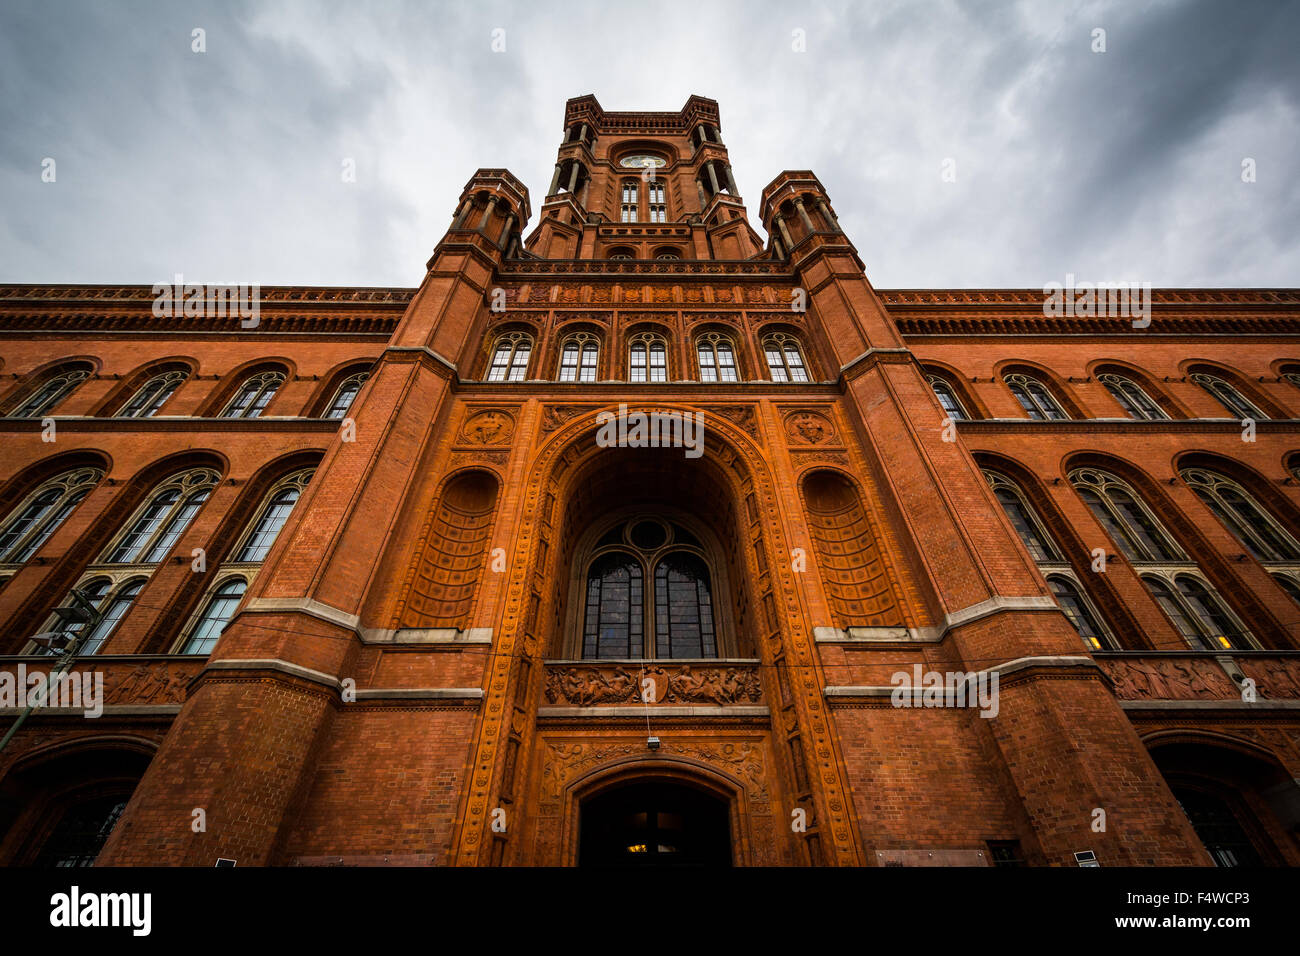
(643, 186)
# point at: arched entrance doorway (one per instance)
(654, 824)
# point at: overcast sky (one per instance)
(226, 165)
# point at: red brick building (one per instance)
(483, 606)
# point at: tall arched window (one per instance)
(254, 395)
(784, 360)
(153, 394)
(717, 358)
(1023, 518)
(630, 205)
(579, 358)
(163, 519)
(346, 394)
(658, 205)
(1132, 526)
(270, 520)
(33, 522)
(54, 390)
(1227, 396)
(510, 357)
(216, 613)
(1199, 614)
(1079, 610)
(1250, 524)
(1033, 396)
(952, 406)
(112, 604)
(1132, 398)
(648, 574)
(647, 358)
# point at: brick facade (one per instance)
(406, 678)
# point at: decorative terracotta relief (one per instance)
(589, 684)
(1168, 678)
(742, 416)
(1275, 677)
(809, 428)
(557, 415)
(487, 428)
(564, 761)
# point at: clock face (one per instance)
(642, 161)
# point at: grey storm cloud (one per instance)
(226, 165)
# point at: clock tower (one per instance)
(643, 186)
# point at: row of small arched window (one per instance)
(1041, 404)
(1173, 578)
(647, 358)
(121, 570)
(249, 400)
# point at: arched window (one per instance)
(630, 205)
(1199, 614)
(1227, 396)
(1079, 610)
(112, 605)
(50, 394)
(579, 358)
(33, 522)
(717, 358)
(510, 357)
(1131, 525)
(346, 394)
(625, 599)
(1250, 524)
(952, 406)
(648, 358)
(621, 253)
(1033, 396)
(153, 394)
(658, 205)
(683, 608)
(1023, 518)
(163, 519)
(784, 360)
(271, 519)
(1290, 585)
(615, 603)
(1291, 373)
(216, 613)
(254, 395)
(1131, 398)
(668, 254)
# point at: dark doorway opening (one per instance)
(654, 824)
(1218, 827)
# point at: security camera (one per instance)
(652, 743)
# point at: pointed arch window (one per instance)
(1257, 530)
(510, 357)
(1023, 518)
(648, 358)
(1078, 608)
(649, 576)
(271, 518)
(51, 393)
(346, 394)
(216, 613)
(113, 604)
(579, 358)
(159, 524)
(254, 395)
(1228, 396)
(1034, 397)
(153, 394)
(34, 521)
(717, 358)
(784, 360)
(947, 396)
(1198, 613)
(1130, 523)
(630, 205)
(1132, 398)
